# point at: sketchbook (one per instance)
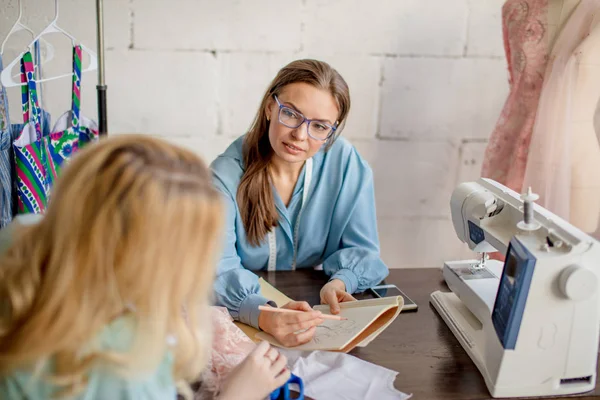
(370, 318)
(366, 319)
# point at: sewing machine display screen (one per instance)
(512, 293)
(511, 268)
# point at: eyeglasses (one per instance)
(291, 118)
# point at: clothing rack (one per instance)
(101, 87)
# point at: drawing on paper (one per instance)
(331, 329)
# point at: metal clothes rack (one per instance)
(101, 87)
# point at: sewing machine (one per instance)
(530, 324)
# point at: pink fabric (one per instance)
(524, 26)
(549, 166)
(230, 347)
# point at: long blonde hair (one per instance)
(132, 221)
(254, 195)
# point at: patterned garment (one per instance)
(39, 157)
(525, 28)
(533, 144)
(72, 131)
(8, 131)
(16, 130)
(35, 172)
(230, 347)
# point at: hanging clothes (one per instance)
(8, 176)
(72, 130)
(16, 129)
(34, 168)
(39, 156)
(525, 27)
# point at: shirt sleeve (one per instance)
(236, 288)
(357, 263)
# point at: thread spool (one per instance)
(528, 223)
(527, 212)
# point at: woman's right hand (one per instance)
(261, 372)
(282, 326)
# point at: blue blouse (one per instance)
(337, 228)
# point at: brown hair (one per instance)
(254, 195)
(132, 220)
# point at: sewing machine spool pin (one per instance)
(528, 224)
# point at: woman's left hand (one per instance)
(333, 293)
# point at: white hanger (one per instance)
(6, 77)
(18, 26)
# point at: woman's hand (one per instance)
(283, 326)
(333, 293)
(263, 371)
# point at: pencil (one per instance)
(324, 316)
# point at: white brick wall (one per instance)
(433, 98)
(484, 21)
(223, 25)
(159, 92)
(414, 178)
(407, 27)
(427, 79)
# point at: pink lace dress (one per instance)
(524, 26)
(531, 145)
(230, 347)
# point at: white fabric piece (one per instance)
(340, 376)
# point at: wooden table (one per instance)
(431, 362)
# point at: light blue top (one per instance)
(102, 384)
(338, 228)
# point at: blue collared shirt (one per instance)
(338, 228)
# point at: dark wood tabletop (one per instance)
(430, 362)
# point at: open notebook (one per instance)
(366, 320)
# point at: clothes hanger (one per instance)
(7, 78)
(18, 26)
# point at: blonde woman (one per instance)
(91, 296)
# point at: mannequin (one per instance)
(559, 155)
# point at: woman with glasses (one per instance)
(297, 196)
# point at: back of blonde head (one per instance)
(132, 221)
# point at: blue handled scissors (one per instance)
(286, 390)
